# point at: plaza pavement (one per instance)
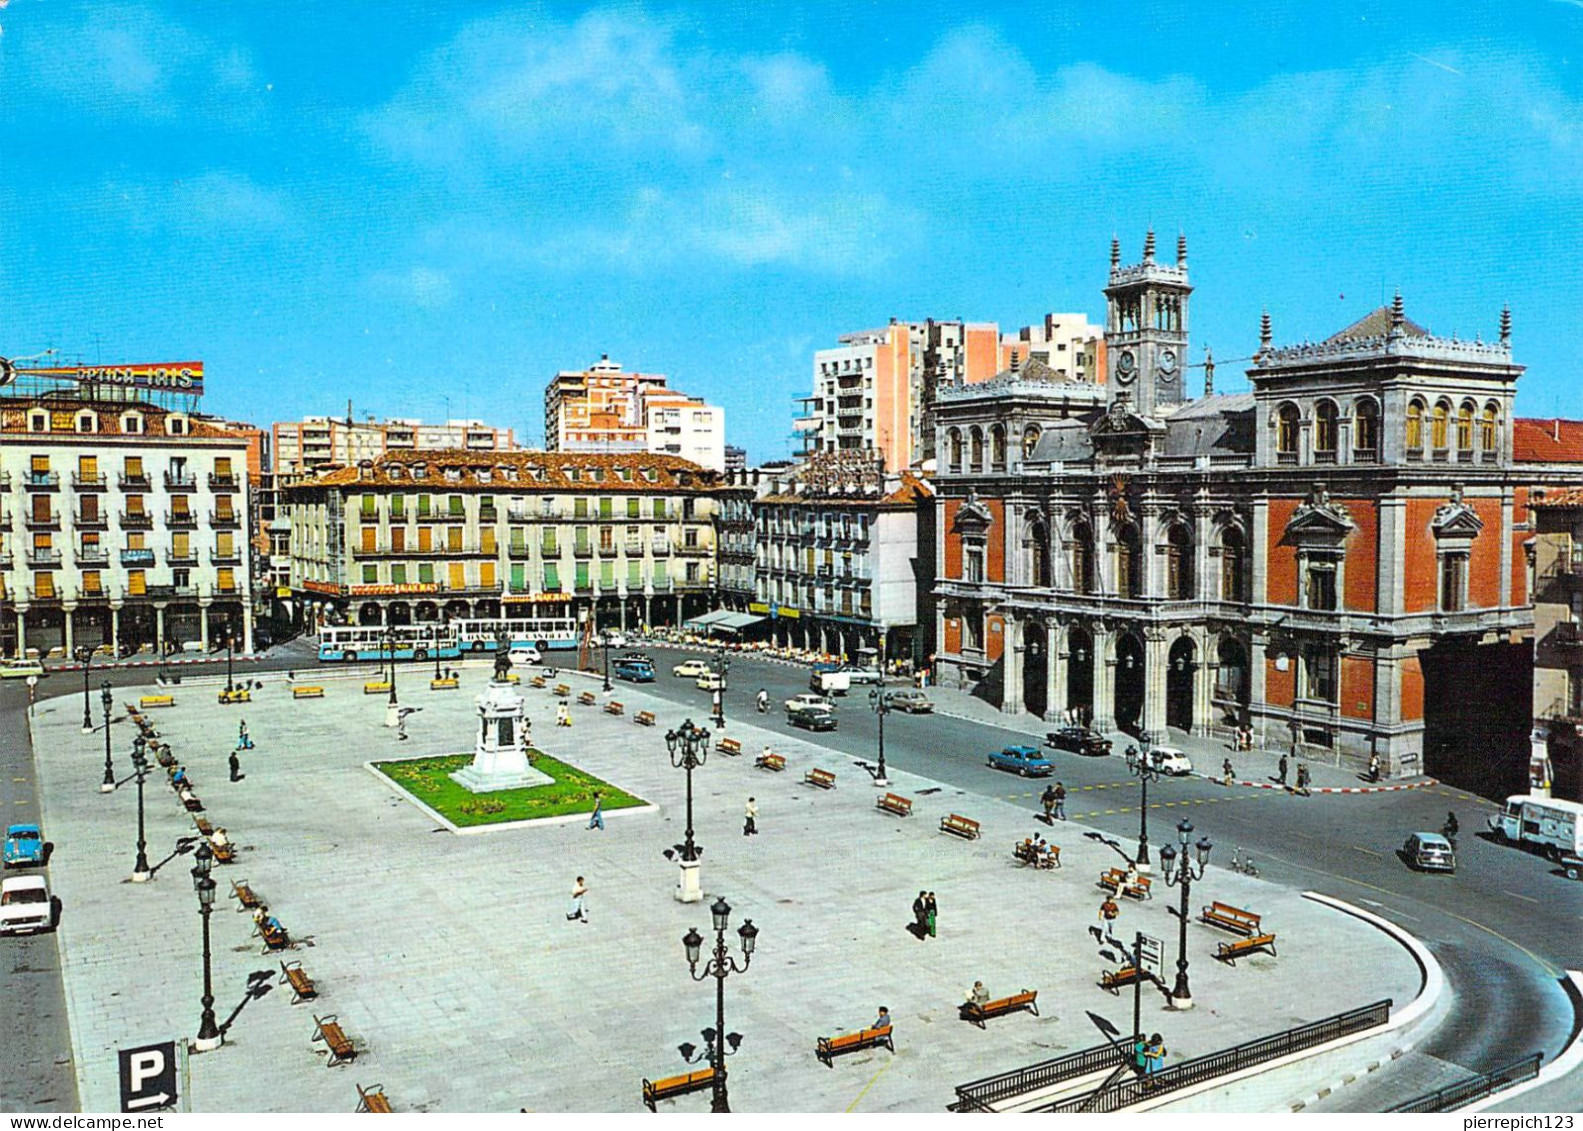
(450, 960)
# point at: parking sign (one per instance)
(1151, 956)
(148, 1077)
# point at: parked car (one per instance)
(859, 674)
(1024, 760)
(797, 702)
(25, 905)
(632, 670)
(811, 718)
(522, 654)
(1172, 761)
(911, 701)
(1079, 740)
(1429, 852)
(710, 680)
(690, 669)
(20, 669)
(24, 845)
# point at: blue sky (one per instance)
(407, 202)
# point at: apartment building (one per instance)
(604, 408)
(1556, 755)
(303, 446)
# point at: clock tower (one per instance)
(1146, 329)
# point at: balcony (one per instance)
(181, 520)
(96, 521)
(549, 550)
(662, 546)
(167, 591)
(518, 550)
(695, 550)
(583, 549)
(140, 520)
(43, 596)
(180, 481)
(488, 514)
(186, 558)
(41, 480)
(225, 482)
(633, 547)
(43, 557)
(88, 482)
(92, 557)
(5, 560)
(35, 521)
(227, 520)
(137, 559)
(136, 481)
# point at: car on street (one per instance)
(824, 666)
(859, 674)
(912, 701)
(710, 681)
(633, 670)
(1024, 760)
(522, 654)
(1172, 761)
(1429, 852)
(797, 702)
(614, 638)
(25, 905)
(24, 846)
(1079, 740)
(811, 718)
(20, 669)
(690, 669)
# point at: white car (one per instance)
(25, 905)
(710, 681)
(20, 669)
(690, 668)
(1172, 761)
(798, 702)
(864, 675)
(614, 637)
(522, 654)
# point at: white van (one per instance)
(830, 683)
(1553, 826)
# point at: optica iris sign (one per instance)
(164, 376)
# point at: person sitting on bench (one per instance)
(978, 995)
(179, 779)
(219, 839)
(883, 1020)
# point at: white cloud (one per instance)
(423, 287)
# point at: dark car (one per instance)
(811, 718)
(1079, 740)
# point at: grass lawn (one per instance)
(572, 791)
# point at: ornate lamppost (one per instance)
(392, 708)
(209, 1035)
(721, 965)
(1146, 768)
(689, 749)
(1183, 877)
(605, 641)
(879, 699)
(140, 869)
(722, 667)
(85, 656)
(230, 685)
(105, 700)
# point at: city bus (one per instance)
(541, 632)
(374, 642)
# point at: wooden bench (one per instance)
(562, 691)
(148, 701)
(587, 699)
(223, 853)
(644, 718)
(512, 677)
(1229, 952)
(961, 826)
(729, 746)
(614, 708)
(1114, 880)
(656, 1090)
(193, 805)
(776, 762)
(824, 779)
(445, 683)
(235, 695)
(1113, 980)
(328, 1029)
(308, 691)
(1231, 918)
(539, 681)
(978, 1014)
(275, 938)
(894, 803)
(372, 1099)
(302, 987)
(376, 687)
(246, 898)
(826, 1048)
(203, 826)
(162, 754)
(1029, 854)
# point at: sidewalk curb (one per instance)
(1570, 1059)
(1423, 783)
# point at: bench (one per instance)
(978, 1014)
(1231, 918)
(824, 779)
(1029, 854)
(644, 718)
(162, 754)
(587, 699)
(562, 691)
(614, 708)
(539, 681)
(961, 826)
(825, 1048)
(275, 938)
(1113, 980)
(203, 826)
(1114, 880)
(445, 683)
(328, 1029)
(148, 701)
(656, 1090)
(246, 897)
(223, 853)
(236, 695)
(894, 803)
(308, 691)
(372, 1099)
(729, 746)
(302, 987)
(1229, 952)
(192, 803)
(776, 762)
(376, 687)
(512, 677)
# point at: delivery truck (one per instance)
(1550, 825)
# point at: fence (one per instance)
(982, 1095)
(1473, 1088)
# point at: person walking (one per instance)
(1302, 778)
(1047, 799)
(1108, 911)
(243, 740)
(1060, 801)
(1280, 770)
(933, 911)
(563, 714)
(1227, 776)
(597, 821)
(579, 906)
(1374, 767)
(751, 814)
(920, 915)
(236, 767)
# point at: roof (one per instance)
(13, 418)
(533, 471)
(1375, 324)
(1547, 441)
(1218, 405)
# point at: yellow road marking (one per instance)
(1368, 852)
(882, 1070)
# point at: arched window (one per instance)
(1179, 564)
(997, 446)
(1082, 563)
(1030, 440)
(1286, 431)
(1233, 565)
(954, 445)
(1129, 562)
(1325, 431)
(1366, 430)
(1439, 436)
(1415, 428)
(1465, 429)
(1038, 548)
(976, 447)
(1489, 431)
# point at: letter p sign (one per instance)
(148, 1077)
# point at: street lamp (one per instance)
(879, 699)
(1183, 877)
(719, 967)
(209, 1035)
(105, 700)
(722, 666)
(689, 749)
(85, 655)
(392, 708)
(605, 641)
(140, 870)
(229, 642)
(1146, 768)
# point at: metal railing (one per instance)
(1473, 1088)
(984, 1094)
(1223, 1063)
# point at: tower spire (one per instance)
(1398, 314)
(1265, 335)
(1148, 247)
(1209, 372)
(1115, 253)
(1181, 249)
(1506, 325)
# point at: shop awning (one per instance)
(707, 620)
(736, 622)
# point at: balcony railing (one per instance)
(88, 482)
(96, 556)
(633, 547)
(549, 549)
(43, 556)
(583, 549)
(181, 520)
(140, 520)
(225, 520)
(188, 557)
(518, 550)
(171, 591)
(181, 481)
(5, 560)
(41, 480)
(96, 521)
(41, 521)
(43, 594)
(662, 546)
(137, 558)
(223, 482)
(137, 481)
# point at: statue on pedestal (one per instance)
(502, 657)
(500, 755)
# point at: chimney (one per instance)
(1555, 430)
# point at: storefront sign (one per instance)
(392, 590)
(775, 611)
(170, 376)
(329, 587)
(524, 598)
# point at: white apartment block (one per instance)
(690, 429)
(1069, 344)
(303, 446)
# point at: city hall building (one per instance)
(1336, 559)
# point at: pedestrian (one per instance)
(1154, 1054)
(579, 905)
(751, 813)
(920, 915)
(1227, 776)
(1374, 767)
(401, 726)
(1047, 799)
(563, 714)
(243, 742)
(1280, 770)
(933, 911)
(1108, 911)
(236, 767)
(1060, 801)
(883, 1020)
(597, 821)
(1302, 778)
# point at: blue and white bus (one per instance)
(541, 632)
(377, 642)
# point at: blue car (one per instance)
(633, 670)
(1024, 760)
(24, 845)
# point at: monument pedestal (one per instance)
(500, 755)
(689, 885)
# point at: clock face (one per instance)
(1167, 361)
(1126, 366)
